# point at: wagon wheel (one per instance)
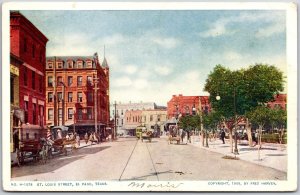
(65, 150)
(50, 155)
(42, 155)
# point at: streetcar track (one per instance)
(152, 162)
(128, 160)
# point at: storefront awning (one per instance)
(86, 124)
(30, 126)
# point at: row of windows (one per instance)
(33, 80)
(89, 97)
(134, 119)
(71, 64)
(34, 50)
(37, 113)
(80, 113)
(89, 81)
(139, 118)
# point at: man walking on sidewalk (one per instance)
(223, 136)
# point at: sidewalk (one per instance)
(271, 155)
(13, 155)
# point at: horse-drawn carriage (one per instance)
(35, 149)
(175, 134)
(61, 141)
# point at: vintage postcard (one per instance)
(149, 96)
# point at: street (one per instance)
(132, 159)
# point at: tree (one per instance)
(241, 91)
(278, 119)
(211, 122)
(189, 122)
(259, 115)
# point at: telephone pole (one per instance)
(54, 96)
(95, 101)
(63, 102)
(115, 121)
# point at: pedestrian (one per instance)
(59, 134)
(223, 136)
(188, 136)
(86, 138)
(254, 138)
(77, 140)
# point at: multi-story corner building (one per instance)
(71, 85)
(279, 102)
(28, 50)
(154, 119)
(187, 105)
(119, 110)
(15, 114)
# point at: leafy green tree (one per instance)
(210, 122)
(259, 116)
(242, 90)
(278, 119)
(189, 122)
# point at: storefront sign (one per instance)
(14, 70)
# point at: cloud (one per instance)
(114, 39)
(217, 29)
(232, 55)
(122, 82)
(72, 44)
(162, 70)
(270, 30)
(275, 21)
(140, 83)
(168, 43)
(130, 69)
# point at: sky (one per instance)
(153, 55)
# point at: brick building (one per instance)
(186, 105)
(71, 92)
(132, 119)
(119, 109)
(15, 114)
(279, 102)
(28, 47)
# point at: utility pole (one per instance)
(63, 103)
(54, 96)
(115, 121)
(74, 112)
(95, 101)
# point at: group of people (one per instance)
(92, 137)
(254, 135)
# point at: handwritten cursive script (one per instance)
(147, 185)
